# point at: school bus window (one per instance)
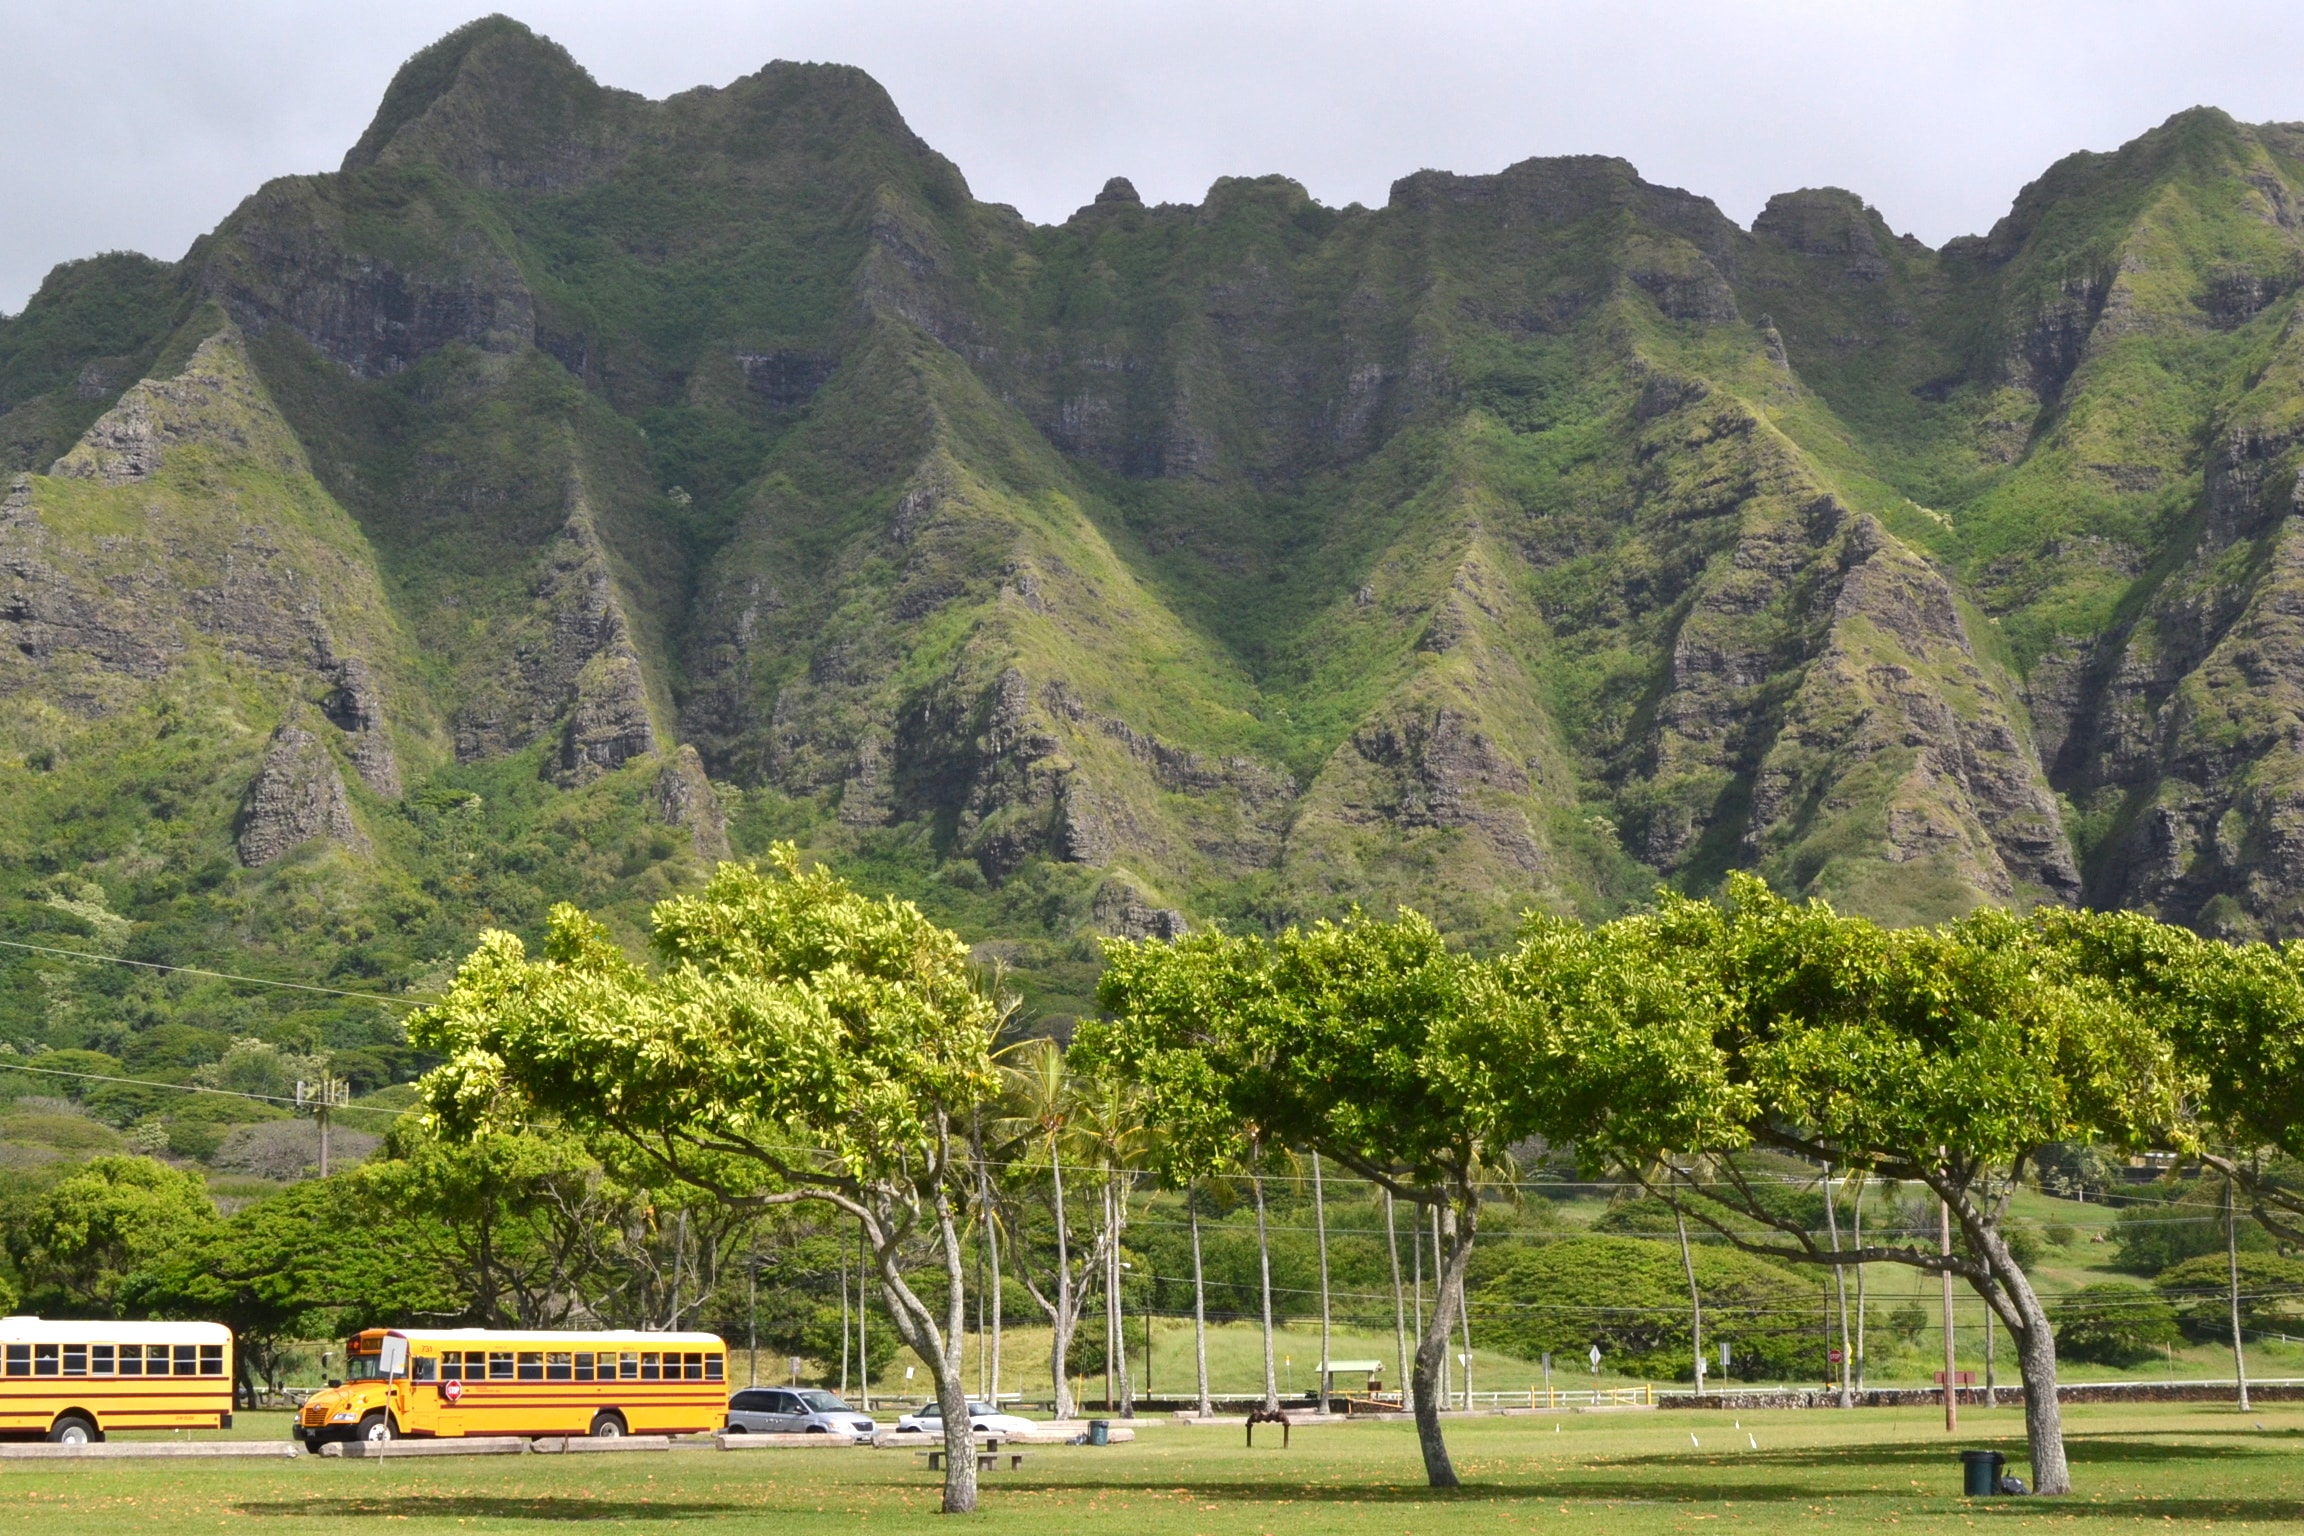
(99, 1359)
(531, 1365)
(558, 1367)
(584, 1368)
(424, 1368)
(500, 1365)
(628, 1366)
(19, 1359)
(155, 1359)
(43, 1359)
(211, 1359)
(648, 1370)
(451, 1365)
(711, 1367)
(75, 1359)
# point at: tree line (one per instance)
(792, 1042)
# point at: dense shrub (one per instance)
(2271, 1292)
(2113, 1324)
(1630, 1296)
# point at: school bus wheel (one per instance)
(74, 1429)
(378, 1426)
(607, 1424)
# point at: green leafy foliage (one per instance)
(1630, 1297)
(2114, 1324)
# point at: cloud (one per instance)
(140, 123)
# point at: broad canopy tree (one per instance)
(794, 1042)
(1943, 1056)
(1336, 1039)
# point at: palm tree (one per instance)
(1110, 1120)
(1041, 1100)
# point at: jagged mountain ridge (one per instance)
(1522, 542)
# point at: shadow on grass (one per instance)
(474, 1506)
(2089, 1450)
(1478, 1492)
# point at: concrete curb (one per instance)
(756, 1442)
(132, 1450)
(591, 1445)
(381, 1450)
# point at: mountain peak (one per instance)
(494, 103)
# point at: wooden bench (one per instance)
(987, 1458)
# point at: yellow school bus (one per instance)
(75, 1382)
(475, 1381)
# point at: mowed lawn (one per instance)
(1631, 1472)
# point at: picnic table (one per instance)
(988, 1454)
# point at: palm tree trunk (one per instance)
(1861, 1305)
(1200, 1304)
(1320, 1226)
(1399, 1301)
(1439, 1323)
(1840, 1281)
(1264, 1269)
(1695, 1302)
(992, 1247)
(2232, 1261)
(1060, 1335)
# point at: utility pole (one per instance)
(320, 1097)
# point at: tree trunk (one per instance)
(2232, 1260)
(2010, 1289)
(941, 1349)
(992, 1245)
(1695, 1301)
(1320, 1226)
(1200, 1305)
(1451, 1260)
(1264, 1271)
(1840, 1283)
(847, 1334)
(1861, 1300)
(1399, 1302)
(1061, 1315)
(1447, 1392)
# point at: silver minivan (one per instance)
(794, 1411)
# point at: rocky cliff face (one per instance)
(666, 476)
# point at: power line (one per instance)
(193, 970)
(146, 1082)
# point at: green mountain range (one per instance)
(575, 488)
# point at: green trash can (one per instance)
(1099, 1431)
(1980, 1473)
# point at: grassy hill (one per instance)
(574, 489)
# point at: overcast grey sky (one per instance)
(138, 124)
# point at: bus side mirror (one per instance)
(335, 1381)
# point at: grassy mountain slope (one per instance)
(574, 488)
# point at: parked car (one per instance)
(983, 1418)
(794, 1411)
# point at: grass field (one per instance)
(1633, 1472)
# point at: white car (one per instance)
(983, 1419)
